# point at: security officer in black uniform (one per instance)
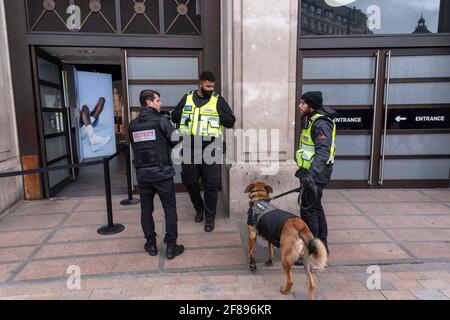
(315, 159)
(201, 115)
(151, 138)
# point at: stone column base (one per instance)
(11, 189)
(240, 176)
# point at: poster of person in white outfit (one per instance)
(95, 100)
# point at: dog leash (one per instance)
(286, 193)
(300, 191)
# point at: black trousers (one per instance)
(211, 180)
(166, 192)
(314, 217)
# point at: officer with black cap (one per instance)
(151, 138)
(315, 159)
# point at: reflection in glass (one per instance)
(53, 122)
(51, 97)
(371, 17)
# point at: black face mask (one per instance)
(207, 94)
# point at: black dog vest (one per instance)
(268, 221)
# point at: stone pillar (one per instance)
(259, 62)
(10, 188)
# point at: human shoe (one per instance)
(150, 247)
(199, 216)
(209, 225)
(174, 250)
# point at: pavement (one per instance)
(50, 249)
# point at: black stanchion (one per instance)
(130, 201)
(110, 228)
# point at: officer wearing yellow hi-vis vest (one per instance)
(201, 115)
(315, 159)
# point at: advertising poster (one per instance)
(96, 127)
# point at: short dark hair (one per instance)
(148, 95)
(207, 76)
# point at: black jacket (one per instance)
(322, 134)
(150, 136)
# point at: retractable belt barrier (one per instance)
(110, 228)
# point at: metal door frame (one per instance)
(35, 53)
(379, 119)
(126, 53)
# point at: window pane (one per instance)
(183, 17)
(51, 98)
(48, 71)
(351, 170)
(418, 144)
(53, 122)
(417, 169)
(339, 68)
(374, 17)
(56, 177)
(353, 145)
(162, 68)
(344, 94)
(420, 67)
(419, 93)
(38, 20)
(170, 94)
(102, 21)
(55, 147)
(140, 17)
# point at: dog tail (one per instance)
(317, 253)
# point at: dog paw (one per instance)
(252, 267)
(269, 263)
(284, 291)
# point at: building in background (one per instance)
(267, 53)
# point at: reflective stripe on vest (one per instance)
(306, 152)
(202, 121)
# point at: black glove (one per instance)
(307, 181)
(310, 189)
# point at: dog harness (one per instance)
(268, 221)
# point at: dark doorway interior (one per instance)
(89, 181)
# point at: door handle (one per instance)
(375, 100)
(386, 109)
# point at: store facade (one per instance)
(386, 75)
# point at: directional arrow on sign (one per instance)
(400, 119)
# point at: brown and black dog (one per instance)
(296, 241)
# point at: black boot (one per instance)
(199, 216)
(174, 250)
(150, 246)
(299, 262)
(209, 225)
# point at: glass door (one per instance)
(415, 148)
(53, 120)
(349, 83)
(393, 114)
(172, 73)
